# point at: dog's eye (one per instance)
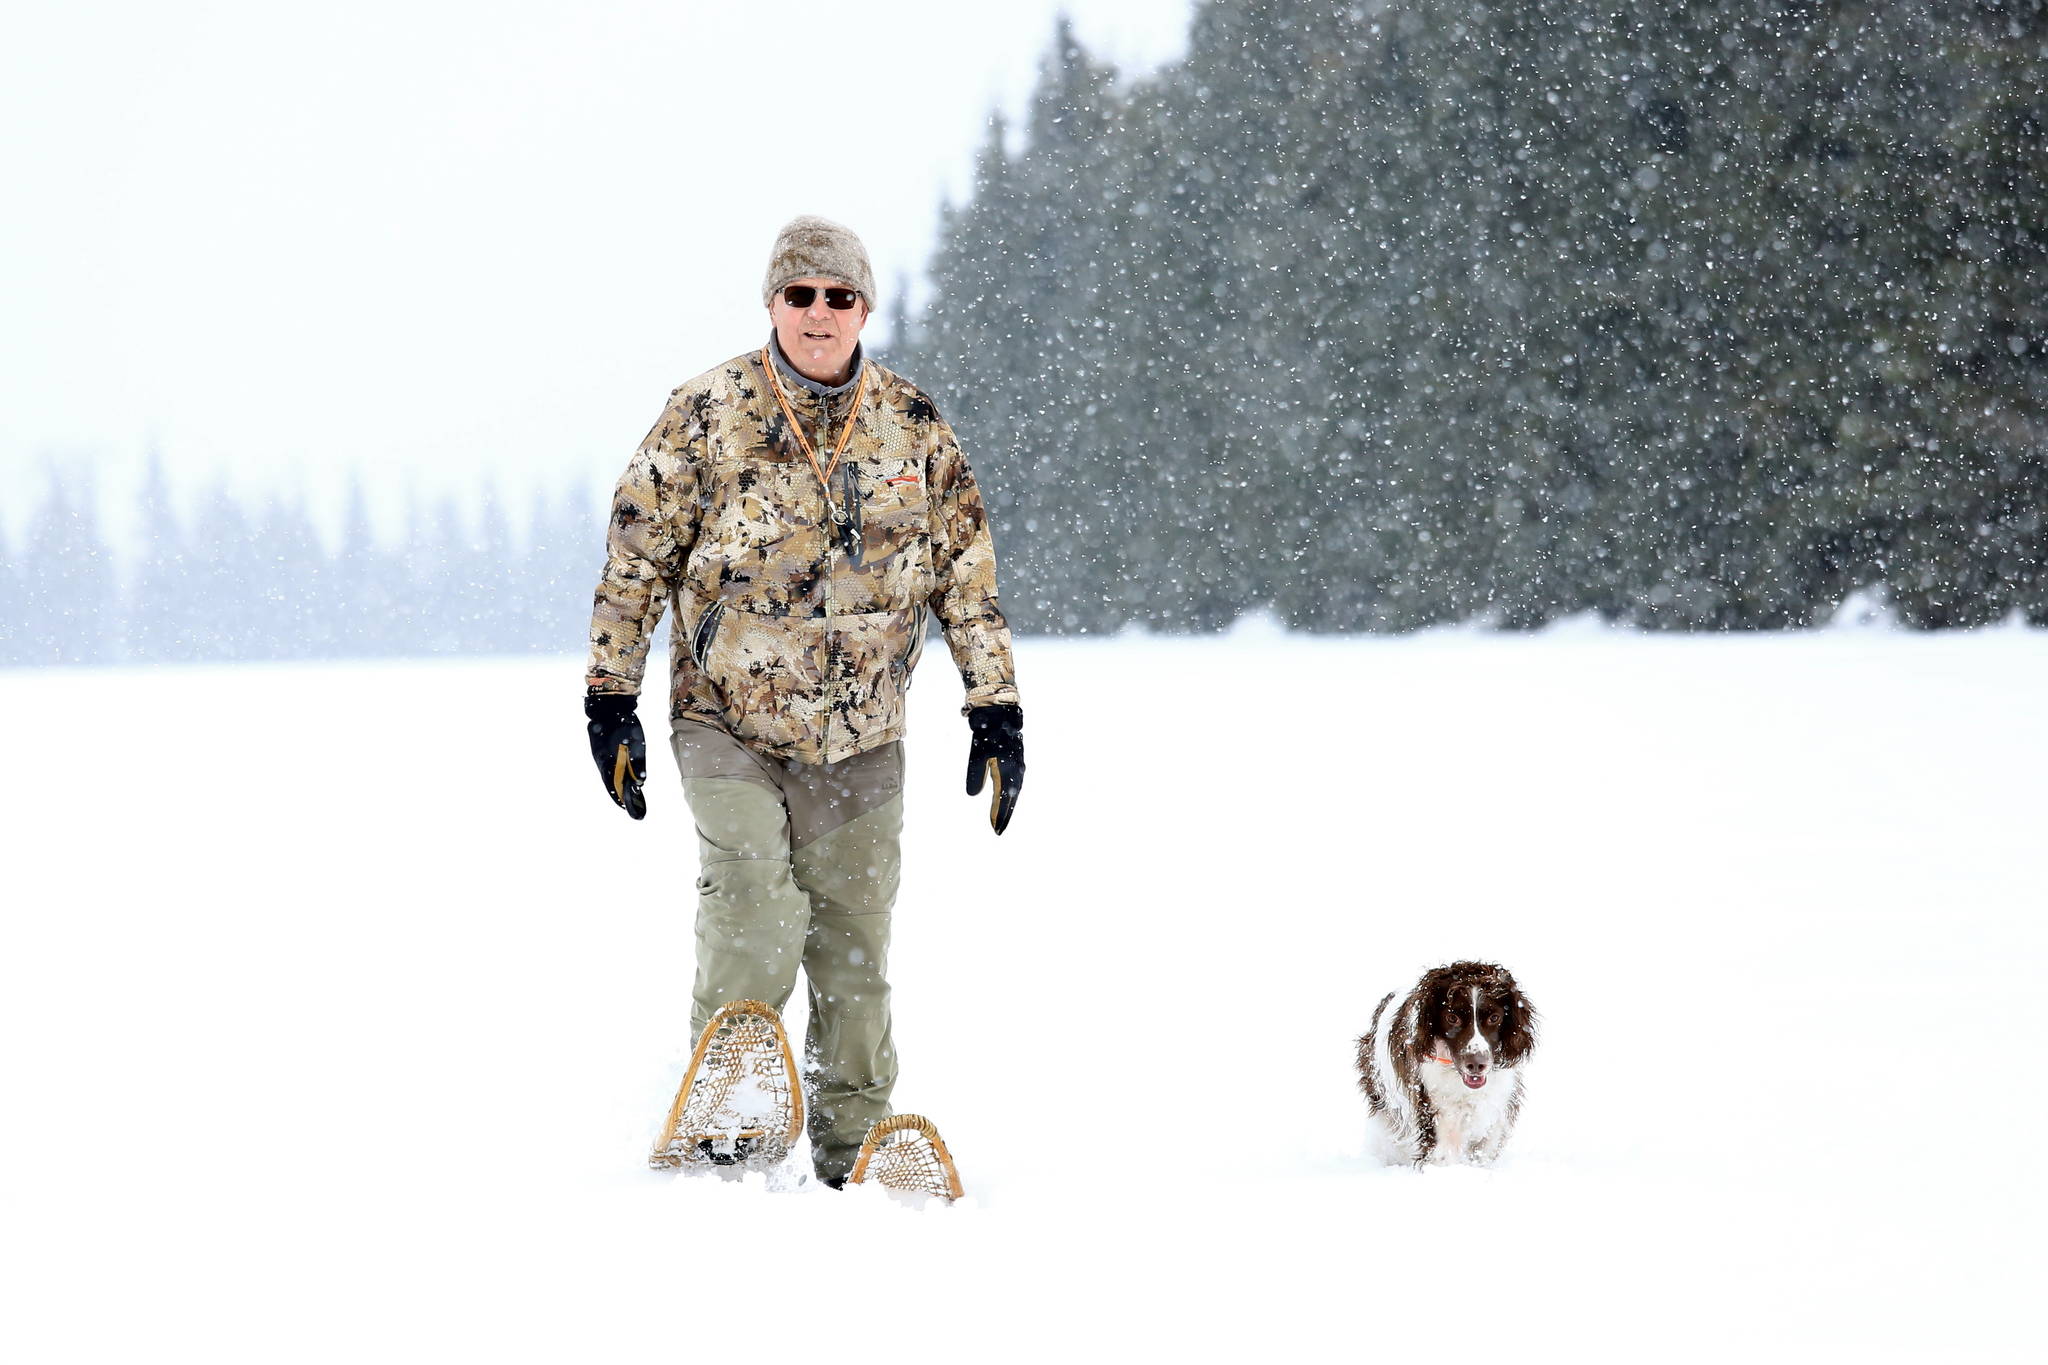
(1493, 1018)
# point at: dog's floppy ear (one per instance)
(1518, 1022)
(1429, 1010)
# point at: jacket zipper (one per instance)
(850, 529)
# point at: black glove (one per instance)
(997, 749)
(619, 748)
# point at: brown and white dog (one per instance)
(1441, 1069)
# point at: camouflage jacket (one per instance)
(795, 633)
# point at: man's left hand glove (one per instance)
(619, 747)
(997, 751)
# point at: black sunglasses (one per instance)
(800, 296)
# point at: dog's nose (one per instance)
(1475, 1066)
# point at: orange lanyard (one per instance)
(803, 441)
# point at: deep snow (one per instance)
(342, 1008)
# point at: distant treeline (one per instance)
(236, 582)
(1697, 314)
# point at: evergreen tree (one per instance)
(293, 608)
(437, 608)
(229, 618)
(66, 583)
(158, 607)
(367, 587)
(13, 607)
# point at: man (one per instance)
(801, 507)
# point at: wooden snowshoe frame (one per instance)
(904, 1152)
(742, 1049)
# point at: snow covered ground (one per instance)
(341, 1008)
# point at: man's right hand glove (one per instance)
(997, 749)
(619, 748)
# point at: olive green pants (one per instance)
(798, 865)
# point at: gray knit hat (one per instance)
(820, 249)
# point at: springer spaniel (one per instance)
(1441, 1069)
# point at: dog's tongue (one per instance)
(1473, 1082)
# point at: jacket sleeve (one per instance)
(652, 527)
(964, 596)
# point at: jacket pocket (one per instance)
(875, 651)
(895, 488)
(707, 630)
(895, 537)
(913, 647)
(771, 678)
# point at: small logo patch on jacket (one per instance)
(902, 478)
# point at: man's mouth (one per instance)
(817, 336)
(1472, 1082)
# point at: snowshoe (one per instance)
(905, 1153)
(740, 1103)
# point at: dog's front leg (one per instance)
(1426, 1146)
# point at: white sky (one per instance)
(280, 241)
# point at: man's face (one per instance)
(818, 340)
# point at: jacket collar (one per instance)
(790, 377)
